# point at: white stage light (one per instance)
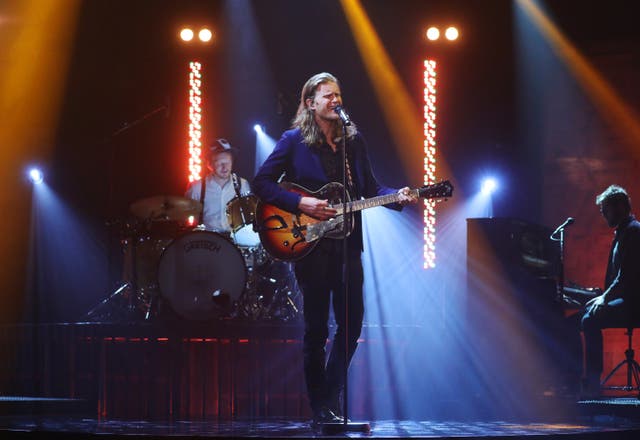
(36, 176)
(489, 186)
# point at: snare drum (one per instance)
(202, 274)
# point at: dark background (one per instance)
(508, 105)
(127, 62)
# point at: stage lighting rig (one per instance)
(451, 33)
(430, 67)
(195, 115)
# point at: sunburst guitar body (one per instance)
(290, 236)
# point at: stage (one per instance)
(234, 379)
(167, 267)
(608, 428)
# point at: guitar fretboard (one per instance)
(359, 205)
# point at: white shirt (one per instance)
(215, 201)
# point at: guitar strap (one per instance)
(349, 178)
(236, 184)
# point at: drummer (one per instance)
(221, 185)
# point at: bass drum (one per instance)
(202, 275)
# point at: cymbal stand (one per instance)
(124, 286)
(89, 315)
(107, 141)
(558, 235)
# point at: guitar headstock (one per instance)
(442, 189)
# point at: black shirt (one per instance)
(623, 270)
(333, 165)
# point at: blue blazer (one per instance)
(302, 165)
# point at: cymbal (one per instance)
(166, 208)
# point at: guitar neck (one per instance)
(359, 205)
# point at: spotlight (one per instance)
(451, 33)
(186, 34)
(36, 176)
(205, 35)
(257, 128)
(489, 186)
(433, 33)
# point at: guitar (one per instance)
(290, 236)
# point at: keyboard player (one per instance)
(618, 305)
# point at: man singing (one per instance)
(310, 155)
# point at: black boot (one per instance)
(324, 415)
(335, 404)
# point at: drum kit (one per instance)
(171, 267)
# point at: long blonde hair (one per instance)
(305, 120)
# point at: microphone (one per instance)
(346, 120)
(568, 222)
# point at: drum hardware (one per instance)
(123, 303)
(202, 275)
(111, 164)
(157, 221)
(102, 310)
(198, 274)
(166, 208)
(161, 220)
(272, 293)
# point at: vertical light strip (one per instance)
(195, 118)
(429, 161)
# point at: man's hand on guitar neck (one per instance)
(406, 196)
(316, 208)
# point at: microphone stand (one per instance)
(346, 425)
(559, 233)
(561, 268)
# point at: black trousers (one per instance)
(320, 276)
(616, 314)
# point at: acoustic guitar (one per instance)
(288, 236)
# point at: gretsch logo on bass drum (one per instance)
(202, 244)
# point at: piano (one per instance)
(519, 320)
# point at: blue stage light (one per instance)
(257, 128)
(489, 185)
(36, 176)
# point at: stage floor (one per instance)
(66, 427)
